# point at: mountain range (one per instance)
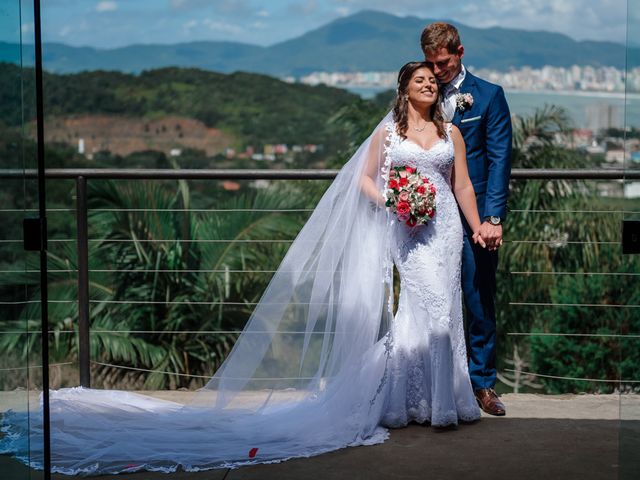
(365, 41)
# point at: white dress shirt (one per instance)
(449, 92)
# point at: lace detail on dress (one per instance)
(428, 379)
(386, 166)
(384, 174)
(388, 347)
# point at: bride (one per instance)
(323, 363)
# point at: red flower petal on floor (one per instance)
(252, 452)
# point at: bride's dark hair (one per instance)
(400, 107)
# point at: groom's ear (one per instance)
(460, 51)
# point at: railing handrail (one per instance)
(293, 174)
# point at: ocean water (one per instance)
(593, 110)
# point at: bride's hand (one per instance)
(477, 238)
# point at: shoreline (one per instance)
(372, 90)
(578, 93)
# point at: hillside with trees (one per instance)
(250, 108)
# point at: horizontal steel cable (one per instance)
(576, 379)
(205, 210)
(170, 332)
(294, 332)
(197, 376)
(158, 240)
(206, 240)
(274, 210)
(35, 366)
(578, 273)
(189, 302)
(596, 335)
(533, 210)
(205, 270)
(32, 210)
(136, 369)
(563, 242)
(542, 304)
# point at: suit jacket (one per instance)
(486, 129)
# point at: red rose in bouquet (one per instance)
(403, 208)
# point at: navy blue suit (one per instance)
(486, 129)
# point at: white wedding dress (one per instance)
(428, 362)
(321, 364)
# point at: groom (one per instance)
(479, 109)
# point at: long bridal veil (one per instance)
(307, 374)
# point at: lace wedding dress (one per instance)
(428, 362)
(322, 363)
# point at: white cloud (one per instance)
(222, 27)
(190, 25)
(580, 19)
(64, 31)
(263, 14)
(106, 6)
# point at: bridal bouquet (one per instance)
(410, 196)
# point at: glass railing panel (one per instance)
(630, 327)
(20, 339)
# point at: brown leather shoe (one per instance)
(489, 402)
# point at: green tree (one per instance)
(554, 240)
(164, 277)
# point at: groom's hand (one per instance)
(492, 235)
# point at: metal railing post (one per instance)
(42, 207)
(83, 281)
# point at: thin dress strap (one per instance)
(448, 126)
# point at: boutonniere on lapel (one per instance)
(464, 101)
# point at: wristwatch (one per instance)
(494, 220)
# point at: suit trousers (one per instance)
(479, 290)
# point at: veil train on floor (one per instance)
(304, 377)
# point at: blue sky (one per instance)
(114, 23)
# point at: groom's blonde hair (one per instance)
(440, 35)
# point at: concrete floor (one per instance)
(548, 437)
